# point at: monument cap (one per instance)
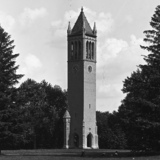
(66, 115)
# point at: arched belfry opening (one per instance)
(89, 140)
(87, 50)
(92, 51)
(76, 140)
(72, 50)
(76, 50)
(82, 40)
(79, 49)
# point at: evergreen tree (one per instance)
(8, 78)
(140, 109)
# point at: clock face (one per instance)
(89, 69)
(75, 68)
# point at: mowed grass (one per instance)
(73, 154)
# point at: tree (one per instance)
(58, 100)
(102, 124)
(8, 78)
(110, 133)
(140, 109)
(43, 108)
(32, 104)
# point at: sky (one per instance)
(39, 31)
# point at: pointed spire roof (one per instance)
(82, 25)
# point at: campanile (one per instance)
(82, 84)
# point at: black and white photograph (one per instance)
(79, 79)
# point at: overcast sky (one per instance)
(39, 30)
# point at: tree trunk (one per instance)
(34, 141)
(34, 138)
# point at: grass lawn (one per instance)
(73, 154)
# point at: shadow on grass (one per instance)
(81, 153)
(118, 154)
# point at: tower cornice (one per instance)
(82, 60)
(80, 34)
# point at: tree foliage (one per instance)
(110, 133)
(140, 109)
(10, 129)
(42, 106)
(31, 116)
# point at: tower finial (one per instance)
(82, 9)
(94, 29)
(69, 28)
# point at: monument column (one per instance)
(66, 120)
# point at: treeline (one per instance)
(42, 108)
(36, 119)
(110, 133)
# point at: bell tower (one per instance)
(82, 84)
